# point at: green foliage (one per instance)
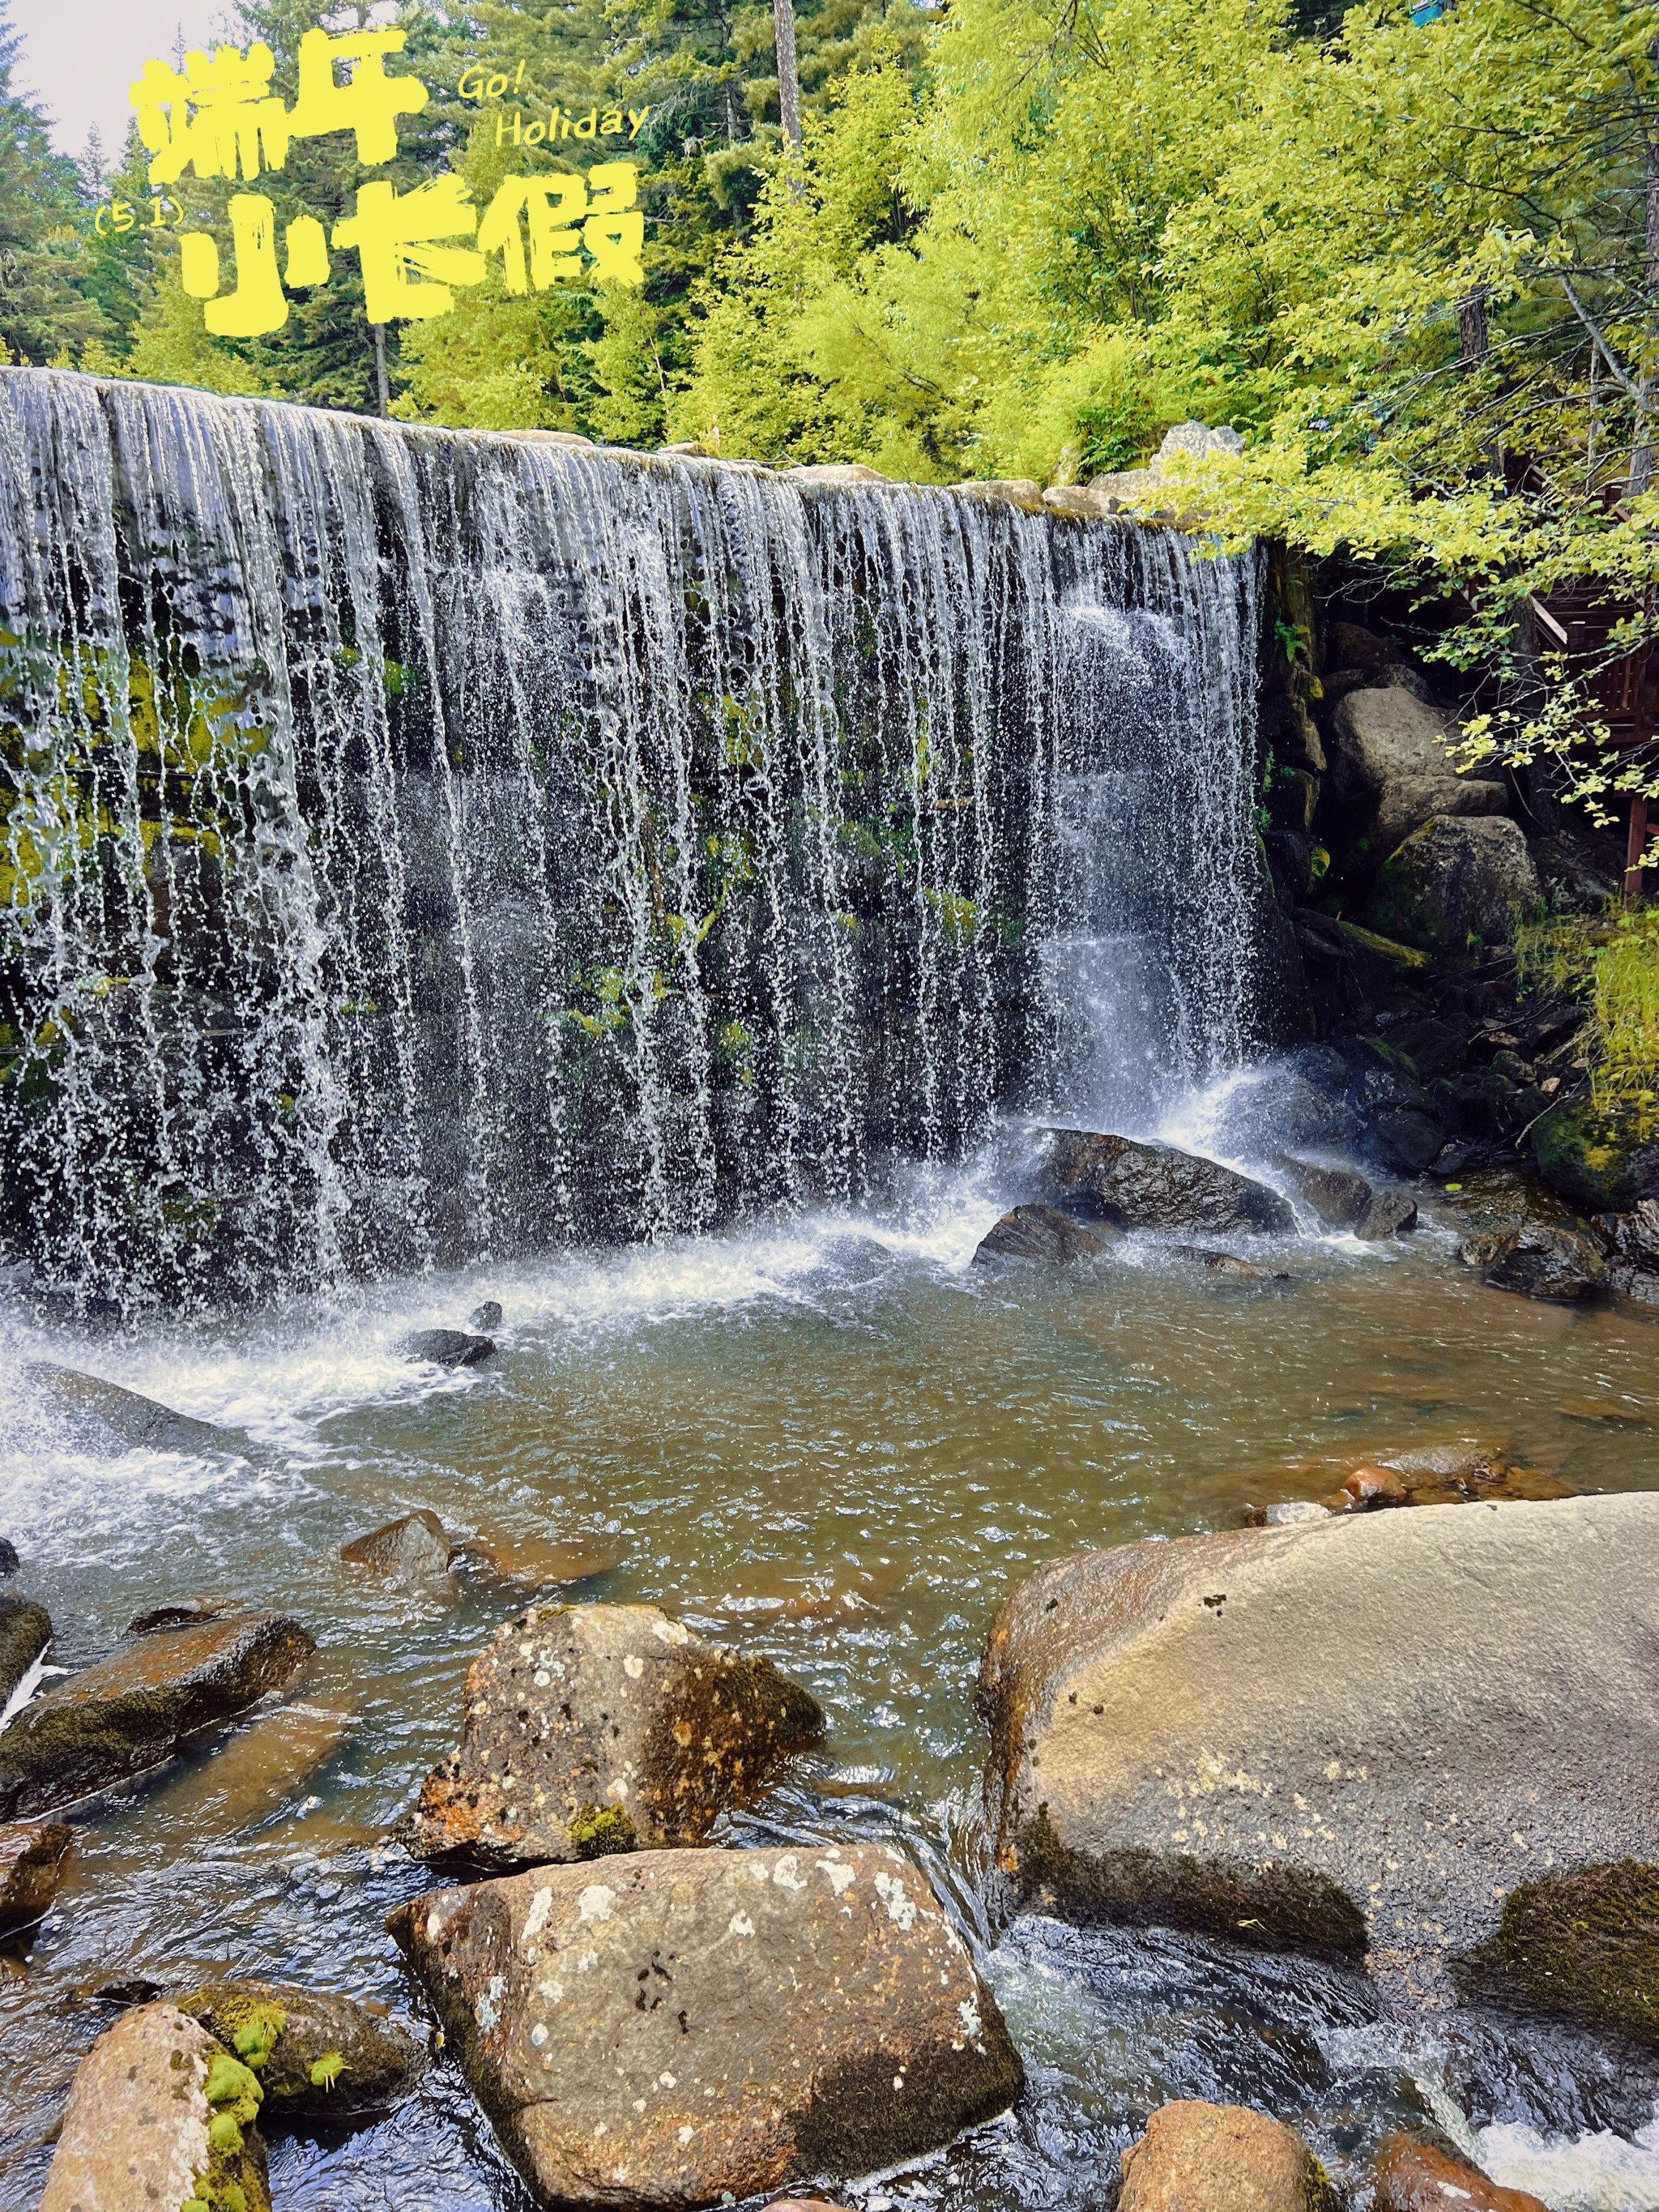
(601, 1831)
(48, 304)
(1614, 964)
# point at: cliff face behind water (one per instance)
(419, 845)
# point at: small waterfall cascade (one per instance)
(420, 847)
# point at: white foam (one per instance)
(1599, 2172)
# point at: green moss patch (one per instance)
(597, 1831)
(1586, 1945)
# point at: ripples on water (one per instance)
(838, 1444)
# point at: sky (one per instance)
(80, 56)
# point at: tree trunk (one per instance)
(1641, 459)
(783, 18)
(1472, 328)
(382, 389)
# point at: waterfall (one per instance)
(422, 846)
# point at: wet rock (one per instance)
(1410, 2176)
(1633, 1266)
(1012, 491)
(129, 1712)
(447, 1347)
(261, 1768)
(1359, 1733)
(1457, 1473)
(106, 1421)
(1605, 1165)
(1390, 772)
(33, 1862)
(596, 1729)
(1388, 1214)
(766, 2016)
(1194, 2155)
(1286, 1514)
(1540, 1259)
(1229, 1263)
(25, 1632)
(1137, 1186)
(415, 1549)
(489, 1317)
(531, 1564)
(1039, 1233)
(9, 1561)
(1584, 1944)
(319, 2056)
(804, 2204)
(1454, 881)
(180, 1612)
(161, 2115)
(1338, 1196)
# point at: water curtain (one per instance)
(421, 846)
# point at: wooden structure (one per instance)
(1580, 623)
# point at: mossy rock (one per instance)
(316, 2055)
(1598, 1163)
(1584, 1945)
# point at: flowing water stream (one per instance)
(431, 857)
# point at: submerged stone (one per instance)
(33, 1862)
(1354, 1735)
(417, 1548)
(1196, 2157)
(318, 2055)
(766, 2017)
(159, 2116)
(107, 1420)
(1139, 1186)
(129, 1711)
(1042, 1234)
(593, 1728)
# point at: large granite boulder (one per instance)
(129, 1712)
(1354, 1734)
(1196, 2157)
(1454, 883)
(766, 2018)
(1135, 1186)
(1390, 771)
(25, 1632)
(33, 1860)
(318, 2055)
(161, 2115)
(105, 1419)
(595, 1728)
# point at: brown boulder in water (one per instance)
(129, 1712)
(595, 1728)
(1195, 2157)
(766, 2018)
(415, 1549)
(319, 2056)
(31, 1864)
(1410, 2176)
(1039, 1233)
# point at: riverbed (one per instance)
(835, 1441)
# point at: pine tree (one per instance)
(46, 309)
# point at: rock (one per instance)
(596, 1729)
(263, 1766)
(1452, 882)
(488, 1317)
(1011, 491)
(1636, 1235)
(161, 2115)
(415, 1549)
(318, 2055)
(1286, 1514)
(1338, 1196)
(180, 1612)
(533, 1565)
(25, 1632)
(128, 1712)
(1372, 1486)
(1604, 1166)
(1359, 1732)
(1042, 1233)
(774, 2017)
(1090, 502)
(447, 1347)
(1390, 772)
(1227, 1263)
(1349, 645)
(835, 473)
(1458, 1473)
(804, 2204)
(1540, 1259)
(1198, 2158)
(548, 438)
(1197, 439)
(1388, 1214)
(1584, 1944)
(1409, 2176)
(33, 1862)
(1154, 1186)
(9, 1561)
(108, 1421)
